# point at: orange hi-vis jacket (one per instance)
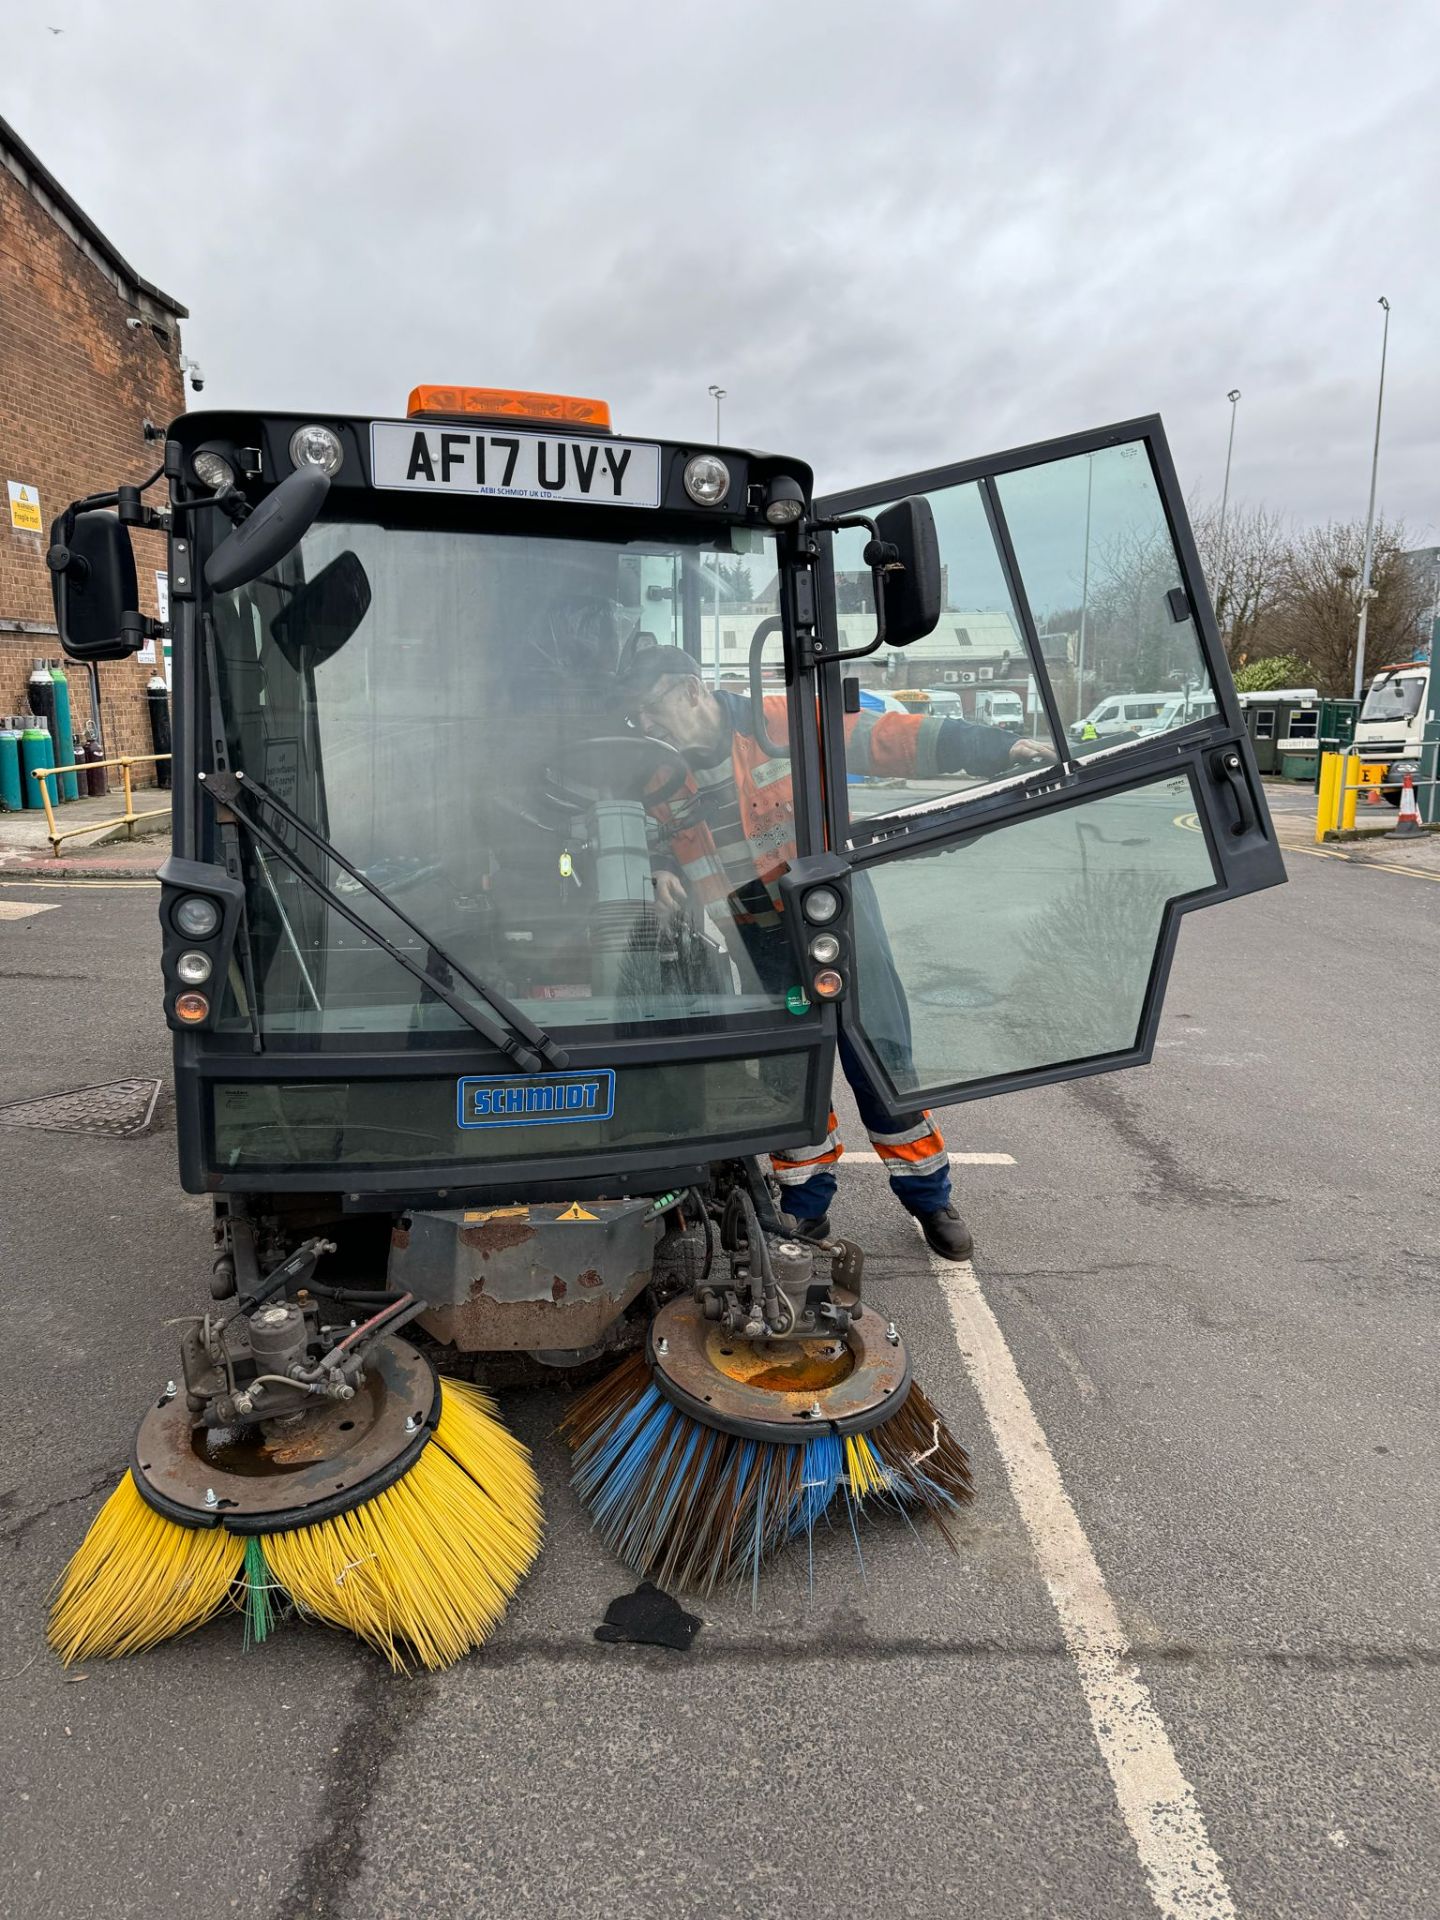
(718, 849)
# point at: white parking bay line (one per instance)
(1156, 1801)
(956, 1159)
(22, 909)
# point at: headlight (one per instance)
(196, 915)
(707, 480)
(828, 984)
(213, 470)
(821, 905)
(192, 1008)
(784, 501)
(194, 968)
(824, 948)
(316, 447)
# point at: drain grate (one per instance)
(121, 1110)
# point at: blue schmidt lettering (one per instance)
(536, 1101)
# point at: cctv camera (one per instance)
(133, 324)
(197, 381)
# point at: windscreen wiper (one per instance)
(529, 1046)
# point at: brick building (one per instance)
(89, 352)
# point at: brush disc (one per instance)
(778, 1391)
(408, 1516)
(326, 1462)
(701, 1459)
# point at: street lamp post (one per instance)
(1366, 590)
(1084, 594)
(1232, 397)
(717, 394)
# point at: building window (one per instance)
(729, 640)
(1305, 726)
(1265, 724)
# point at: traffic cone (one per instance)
(1372, 796)
(1409, 821)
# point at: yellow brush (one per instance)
(422, 1570)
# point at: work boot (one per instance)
(815, 1231)
(946, 1233)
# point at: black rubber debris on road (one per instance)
(650, 1618)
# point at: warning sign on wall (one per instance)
(24, 506)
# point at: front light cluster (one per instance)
(317, 446)
(191, 960)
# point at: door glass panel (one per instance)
(1099, 569)
(946, 715)
(1026, 947)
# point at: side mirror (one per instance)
(321, 616)
(911, 580)
(92, 581)
(275, 528)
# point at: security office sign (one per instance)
(24, 507)
(424, 458)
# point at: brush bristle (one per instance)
(423, 1571)
(694, 1508)
(138, 1578)
(426, 1568)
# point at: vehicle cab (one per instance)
(413, 945)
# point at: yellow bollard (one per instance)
(1327, 803)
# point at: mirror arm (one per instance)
(881, 557)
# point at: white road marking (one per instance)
(22, 909)
(956, 1159)
(1157, 1802)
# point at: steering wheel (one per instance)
(623, 766)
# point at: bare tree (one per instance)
(1318, 610)
(1245, 564)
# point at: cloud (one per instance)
(894, 237)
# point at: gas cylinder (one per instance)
(12, 794)
(36, 750)
(96, 784)
(62, 732)
(157, 696)
(40, 693)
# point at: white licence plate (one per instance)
(514, 466)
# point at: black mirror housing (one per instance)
(321, 616)
(912, 579)
(275, 528)
(92, 582)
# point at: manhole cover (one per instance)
(121, 1109)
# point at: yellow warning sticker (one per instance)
(24, 507)
(498, 1213)
(576, 1212)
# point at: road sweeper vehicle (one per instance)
(474, 1105)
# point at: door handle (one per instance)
(1229, 772)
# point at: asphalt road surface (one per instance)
(1195, 1365)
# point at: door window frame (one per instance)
(983, 803)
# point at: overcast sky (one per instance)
(896, 234)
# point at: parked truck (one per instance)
(1391, 728)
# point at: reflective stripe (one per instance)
(918, 1169)
(796, 1176)
(911, 1134)
(922, 1151)
(800, 1162)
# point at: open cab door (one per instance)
(1079, 777)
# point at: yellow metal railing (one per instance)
(1337, 793)
(127, 819)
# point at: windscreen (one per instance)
(458, 713)
(1394, 699)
